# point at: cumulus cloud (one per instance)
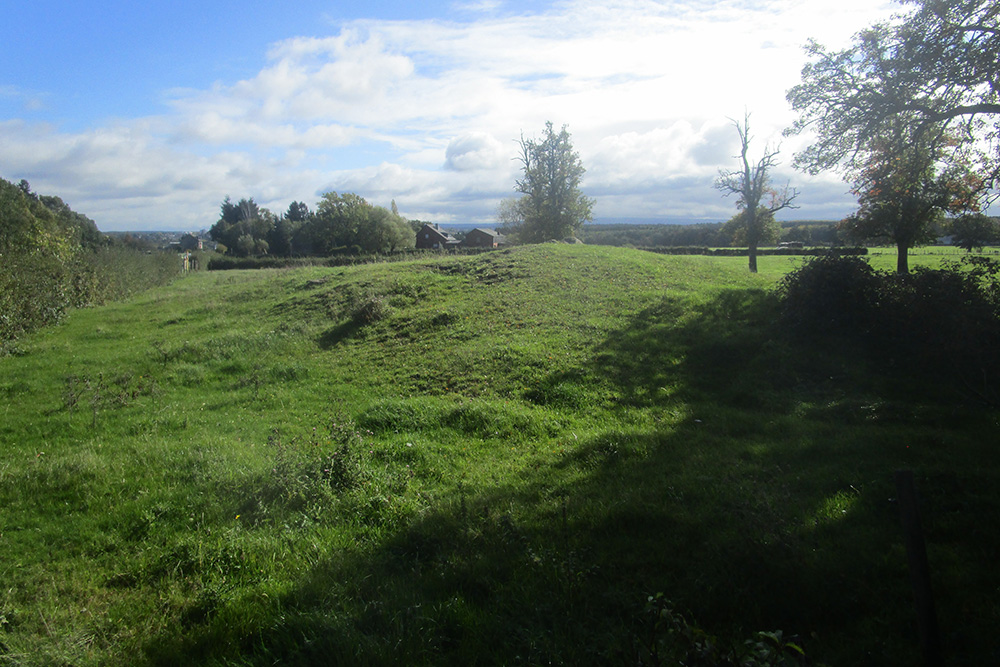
(470, 152)
(428, 112)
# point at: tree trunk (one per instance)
(902, 258)
(752, 252)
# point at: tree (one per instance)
(347, 221)
(337, 221)
(552, 206)
(297, 212)
(935, 67)
(737, 228)
(751, 183)
(974, 230)
(280, 239)
(385, 231)
(906, 187)
(243, 227)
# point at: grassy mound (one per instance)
(493, 459)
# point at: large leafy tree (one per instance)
(907, 185)
(552, 205)
(385, 231)
(347, 221)
(337, 221)
(756, 200)
(933, 67)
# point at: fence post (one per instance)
(920, 579)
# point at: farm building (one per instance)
(483, 238)
(431, 236)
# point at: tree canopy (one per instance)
(907, 185)
(341, 223)
(935, 66)
(766, 229)
(552, 205)
(32, 223)
(348, 221)
(243, 227)
(974, 230)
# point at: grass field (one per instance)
(492, 459)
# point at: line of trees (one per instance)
(341, 223)
(708, 234)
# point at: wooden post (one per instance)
(920, 578)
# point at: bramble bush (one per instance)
(53, 259)
(831, 295)
(34, 292)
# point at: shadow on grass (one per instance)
(758, 510)
(338, 334)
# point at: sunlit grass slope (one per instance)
(472, 460)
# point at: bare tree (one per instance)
(751, 183)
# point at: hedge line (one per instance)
(226, 263)
(743, 252)
(37, 289)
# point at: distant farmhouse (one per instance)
(432, 237)
(483, 238)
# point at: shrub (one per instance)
(942, 321)
(831, 294)
(34, 292)
(310, 472)
(942, 317)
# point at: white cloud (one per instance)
(474, 151)
(428, 112)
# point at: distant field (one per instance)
(490, 459)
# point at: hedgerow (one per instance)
(945, 321)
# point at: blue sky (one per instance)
(146, 115)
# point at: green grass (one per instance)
(474, 460)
